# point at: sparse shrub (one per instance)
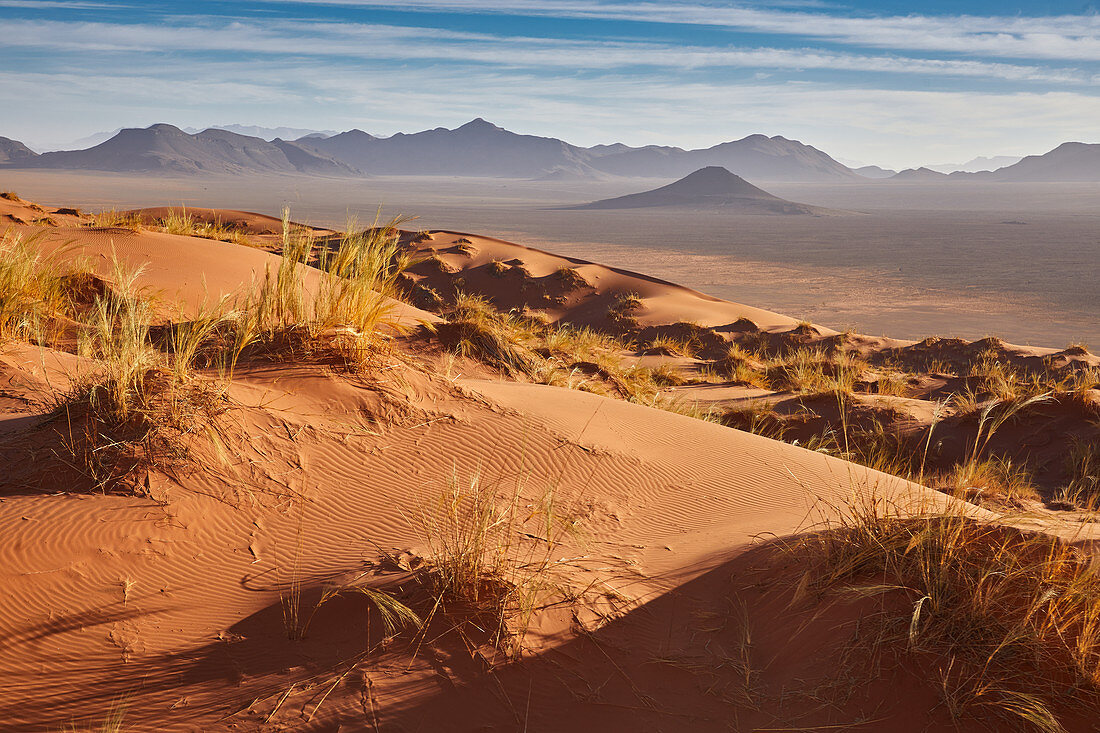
(497, 268)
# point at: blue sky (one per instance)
(877, 81)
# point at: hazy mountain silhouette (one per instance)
(757, 157)
(478, 148)
(15, 152)
(1067, 162)
(266, 133)
(874, 171)
(976, 165)
(919, 174)
(712, 187)
(165, 148)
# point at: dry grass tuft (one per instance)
(1012, 617)
(184, 224)
(491, 548)
(114, 219)
(476, 330)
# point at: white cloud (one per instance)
(1070, 37)
(404, 44)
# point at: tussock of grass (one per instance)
(134, 412)
(571, 279)
(34, 290)
(622, 309)
(995, 478)
(180, 222)
(490, 558)
(116, 220)
(475, 329)
(1011, 618)
(350, 313)
(813, 371)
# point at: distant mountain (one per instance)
(873, 171)
(712, 187)
(86, 142)
(478, 148)
(976, 165)
(756, 157)
(165, 148)
(1067, 162)
(918, 174)
(266, 133)
(15, 152)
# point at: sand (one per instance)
(171, 605)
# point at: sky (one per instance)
(870, 81)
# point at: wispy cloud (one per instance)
(1071, 37)
(407, 44)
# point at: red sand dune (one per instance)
(169, 605)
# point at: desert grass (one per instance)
(813, 371)
(1012, 619)
(35, 290)
(298, 616)
(348, 312)
(475, 329)
(133, 411)
(114, 219)
(1082, 466)
(491, 560)
(178, 221)
(571, 278)
(113, 722)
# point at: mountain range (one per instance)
(480, 148)
(165, 148)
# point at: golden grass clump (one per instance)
(813, 371)
(1010, 618)
(996, 478)
(178, 221)
(34, 290)
(347, 311)
(133, 411)
(475, 329)
(114, 219)
(491, 554)
(571, 279)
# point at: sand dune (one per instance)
(679, 601)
